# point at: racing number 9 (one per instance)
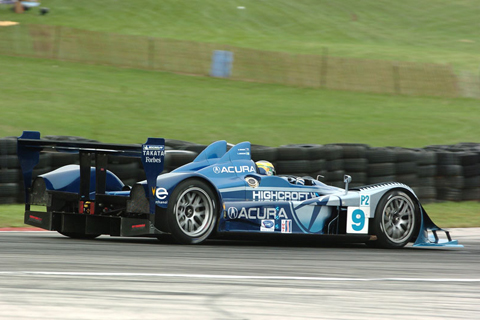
(358, 220)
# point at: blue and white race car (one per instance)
(221, 192)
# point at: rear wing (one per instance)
(152, 153)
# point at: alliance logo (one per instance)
(256, 213)
(234, 169)
(232, 213)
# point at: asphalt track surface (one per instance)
(44, 275)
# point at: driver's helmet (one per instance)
(265, 168)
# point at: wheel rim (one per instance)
(194, 211)
(398, 218)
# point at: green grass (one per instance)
(127, 106)
(445, 215)
(440, 31)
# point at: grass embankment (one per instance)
(127, 106)
(441, 31)
(124, 106)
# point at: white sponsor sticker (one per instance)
(267, 225)
(357, 220)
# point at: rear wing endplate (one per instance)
(152, 153)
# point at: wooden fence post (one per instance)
(323, 68)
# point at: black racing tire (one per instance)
(263, 153)
(397, 220)
(192, 211)
(8, 145)
(352, 150)
(471, 170)
(10, 175)
(381, 169)
(355, 165)
(472, 182)
(403, 154)
(75, 235)
(408, 179)
(427, 171)
(405, 168)
(177, 158)
(9, 189)
(471, 194)
(450, 170)
(197, 148)
(292, 166)
(332, 152)
(334, 165)
(380, 155)
(381, 179)
(317, 165)
(448, 158)
(425, 157)
(292, 152)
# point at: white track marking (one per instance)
(229, 277)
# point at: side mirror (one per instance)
(347, 179)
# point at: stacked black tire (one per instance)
(458, 171)
(425, 188)
(11, 184)
(299, 160)
(381, 165)
(355, 163)
(9, 171)
(436, 173)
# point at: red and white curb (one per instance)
(21, 229)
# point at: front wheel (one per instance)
(192, 212)
(397, 219)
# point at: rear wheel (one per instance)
(397, 220)
(192, 212)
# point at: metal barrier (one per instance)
(188, 57)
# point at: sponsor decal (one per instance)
(256, 213)
(35, 218)
(161, 194)
(267, 225)
(243, 152)
(286, 226)
(234, 169)
(153, 154)
(357, 220)
(282, 195)
(364, 200)
(252, 182)
(232, 213)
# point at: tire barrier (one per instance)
(435, 173)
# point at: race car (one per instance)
(221, 192)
